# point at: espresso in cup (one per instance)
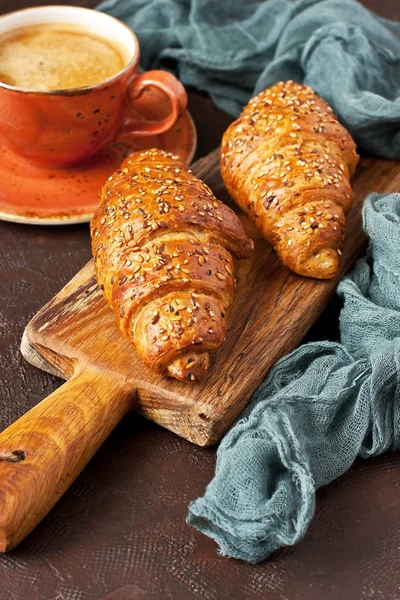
(57, 56)
(69, 80)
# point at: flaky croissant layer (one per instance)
(162, 245)
(287, 162)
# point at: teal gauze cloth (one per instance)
(319, 408)
(233, 49)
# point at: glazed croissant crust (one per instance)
(287, 162)
(163, 248)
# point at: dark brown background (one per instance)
(120, 532)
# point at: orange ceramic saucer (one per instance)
(62, 196)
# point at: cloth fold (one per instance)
(320, 407)
(234, 49)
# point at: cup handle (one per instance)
(171, 87)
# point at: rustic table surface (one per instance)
(119, 533)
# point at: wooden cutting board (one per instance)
(75, 336)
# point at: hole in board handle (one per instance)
(15, 456)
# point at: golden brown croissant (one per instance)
(287, 163)
(162, 245)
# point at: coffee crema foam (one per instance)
(57, 56)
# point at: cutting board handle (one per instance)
(43, 452)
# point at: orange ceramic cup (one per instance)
(65, 127)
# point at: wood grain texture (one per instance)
(272, 311)
(43, 452)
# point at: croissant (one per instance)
(163, 246)
(287, 163)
